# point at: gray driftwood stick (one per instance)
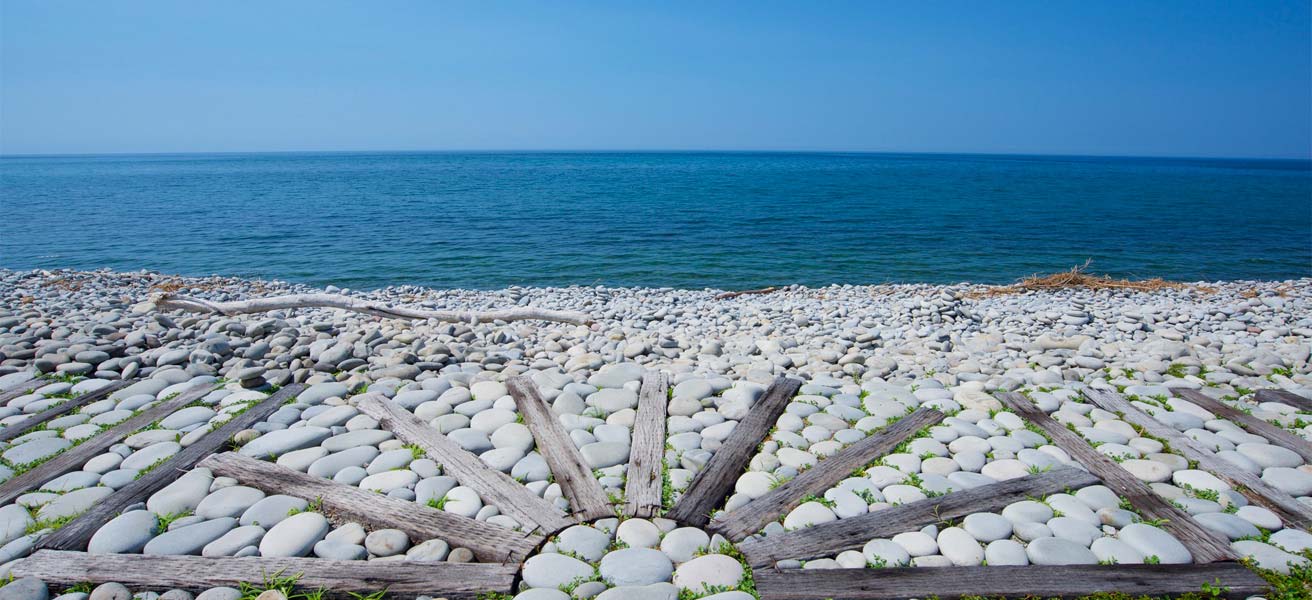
(490, 543)
(338, 578)
(1290, 398)
(1205, 545)
(73, 458)
(713, 483)
(642, 491)
(37, 419)
(76, 534)
(828, 539)
(583, 491)
(495, 488)
(952, 583)
(1291, 511)
(1274, 434)
(749, 519)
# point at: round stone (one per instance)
(587, 542)
(960, 548)
(638, 533)
(552, 570)
(709, 571)
(683, 544)
(636, 566)
(387, 542)
(124, 534)
(294, 536)
(1151, 541)
(1058, 551)
(885, 553)
(987, 527)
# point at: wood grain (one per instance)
(1291, 511)
(1273, 433)
(76, 534)
(490, 543)
(749, 519)
(37, 419)
(1284, 397)
(494, 487)
(338, 578)
(713, 483)
(829, 539)
(1205, 545)
(952, 583)
(583, 491)
(642, 490)
(73, 458)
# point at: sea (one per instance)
(722, 220)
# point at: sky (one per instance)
(1202, 78)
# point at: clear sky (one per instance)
(1181, 78)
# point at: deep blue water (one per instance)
(727, 220)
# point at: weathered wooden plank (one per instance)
(337, 578)
(577, 483)
(713, 483)
(36, 420)
(73, 458)
(1291, 511)
(749, 519)
(642, 490)
(1205, 545)
(76, 534)
(829, 539)
(1274, 434)
(490, 543)
(951, 583)
(1284, 397)
(495, 487)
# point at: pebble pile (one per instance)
(868, 355)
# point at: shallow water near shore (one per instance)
(727, 220)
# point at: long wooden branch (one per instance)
(167, 301)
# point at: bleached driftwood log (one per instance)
(167, 301)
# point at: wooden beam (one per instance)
(586, 498)
(338, 579)
(1032, 581)
(829, 539)
(494, 487)
(1205, 545)
(642, 490)
(76, 534)
(73, 458)
(747, 520)
(1290, 398)
(1291, 511)
(36, 420)
(490, 543)
(713, 483)
(1275, 434)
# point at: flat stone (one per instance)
(228, 502)
(1058, 551)
(587, 542)
(1001, 553)
(1268, 455)
(334, 550)
(283, 441)
(600, 455)
(183, 495)
(552, 570)
(272, 510)
(638, 533)
(682, 544)
(73, 503)
(1267, 556)
(353, 439)
(1151, 541)
(35, 450)
(636, 566)
(387, 542)
(295, 535)
(329, 466)
(187, 416)
(808, 514)
(232, 542)
(959, 547)
(987, 527)
(709, 571)
(124, 534)
(886, 553)
(189, 539)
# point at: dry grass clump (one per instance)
(1078, 277)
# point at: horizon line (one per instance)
(5, 155)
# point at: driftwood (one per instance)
(643, 486)
(727, 295)
(36, 420)
(577, 483)
(167, 301)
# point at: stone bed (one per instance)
(868, 355)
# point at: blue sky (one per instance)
(1185, 78)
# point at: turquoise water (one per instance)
(727, 220)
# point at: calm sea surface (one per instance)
(727, 220)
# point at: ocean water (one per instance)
(725, 220)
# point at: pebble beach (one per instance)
(866, 356)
